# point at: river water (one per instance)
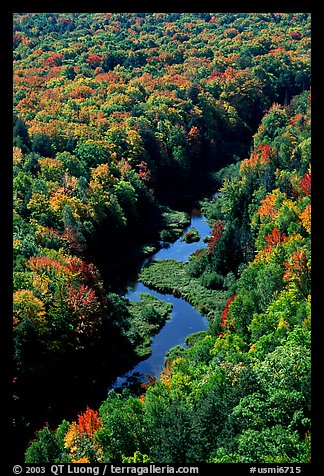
(59, 398)
(184, 319)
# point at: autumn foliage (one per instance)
(262, 155)
(89, 422)
(298, 272)
(217, 233)
(274, 238)
(305, 183)
(116, 116)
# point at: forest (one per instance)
(122, 123)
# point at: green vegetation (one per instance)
(240, 392)
(191, 236)
(170, 276)
(173, 223)
(148, 316)
(118, 117)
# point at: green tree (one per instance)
(123, 430)
(49, 446)
(172, 435)
(43, 145)
(20, 134)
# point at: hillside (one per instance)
(119, 120)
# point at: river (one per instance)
(64, 395)
(184, 319)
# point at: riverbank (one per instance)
(149, 315)
(170, 276)
(166, 277)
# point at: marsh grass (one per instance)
(148, 317)
(170, 276)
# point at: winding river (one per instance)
(184, 319)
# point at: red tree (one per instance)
(144, 173)
(295, 35)
(55, 59)
(274, 238)
(226, 310)
(82, 300)
(217, 233)
(94, 60)
(89, 422)
(305, 183)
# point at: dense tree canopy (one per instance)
(114, 114)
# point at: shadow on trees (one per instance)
(65, 383)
